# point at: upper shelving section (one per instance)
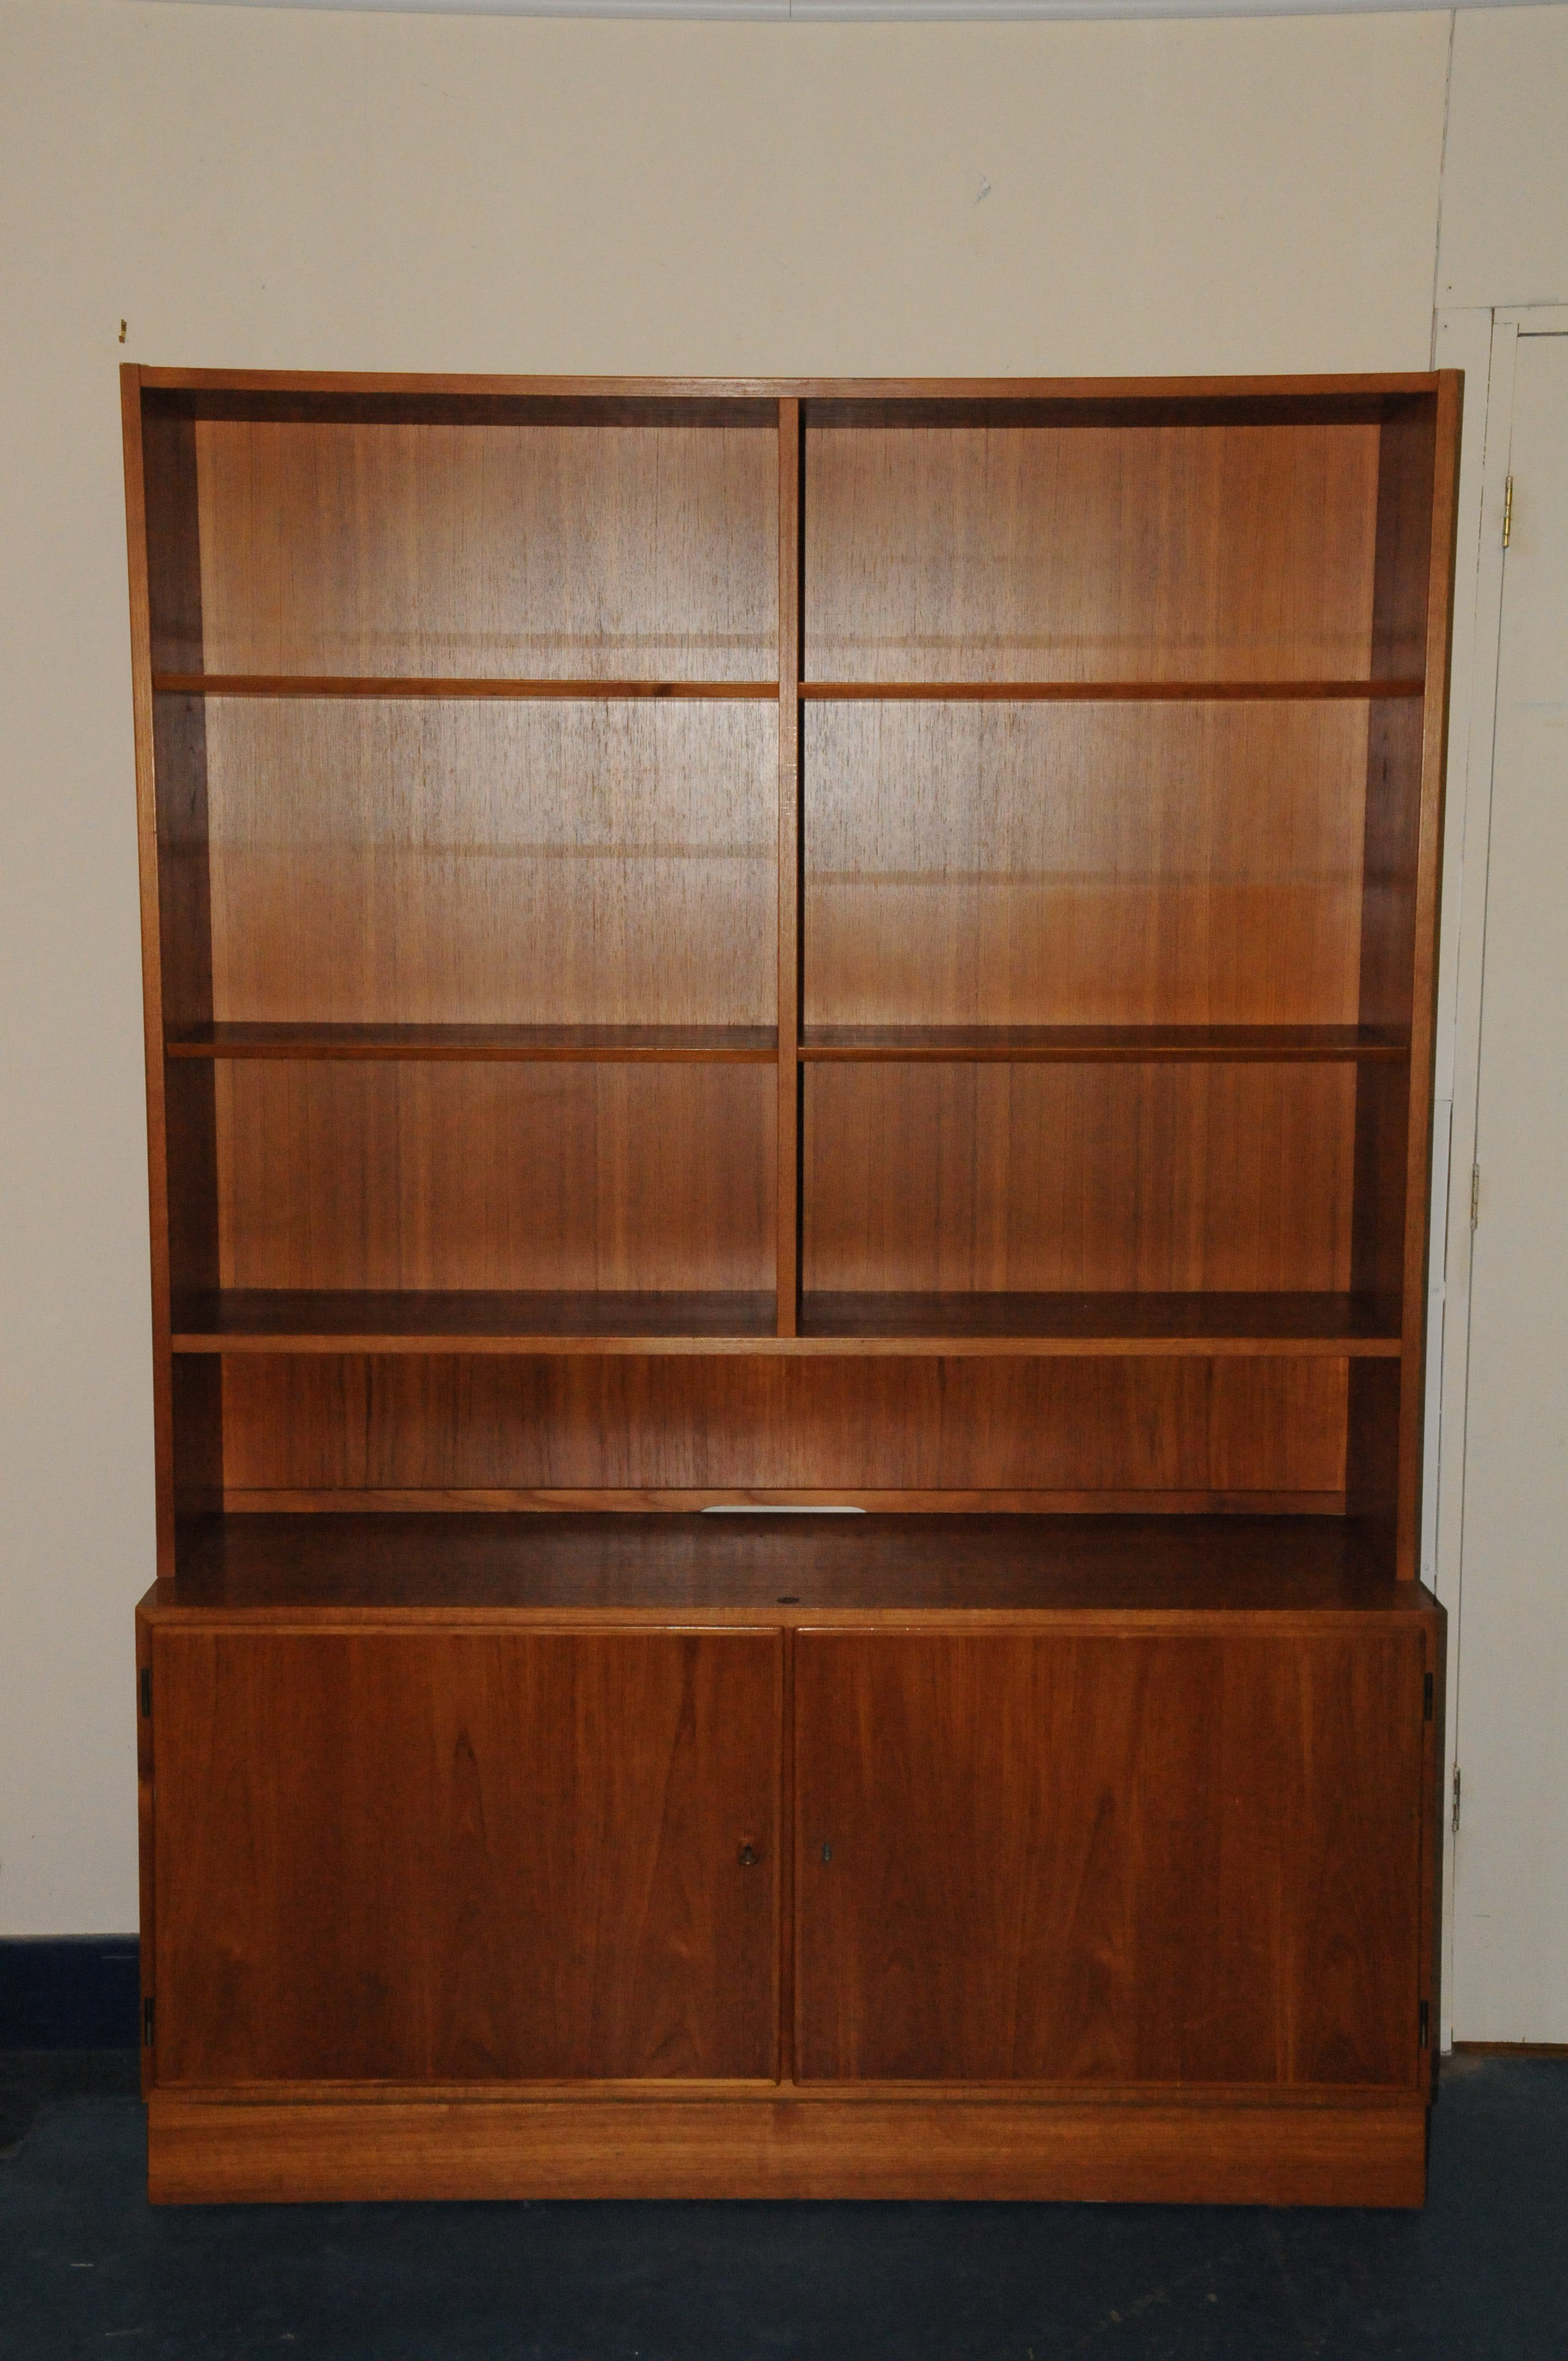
(764, 936)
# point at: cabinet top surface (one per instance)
(785, 1569)
(1353, 397)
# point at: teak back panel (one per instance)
(577, 553)
(551, 1176)
(1090, 552)
(1109, 1861)
(496, 864)
(1084, 864)
(443, 1857)
(1187, 1433)
(1078, 1178)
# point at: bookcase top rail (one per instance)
(741, 401)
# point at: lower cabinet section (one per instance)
(1113, 1860)
(455, 1907)
(449, 1857)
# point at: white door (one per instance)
(1510, 1860)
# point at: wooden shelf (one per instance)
(745, 1045)
(281, 1320)
(253, 1320)
(787, 1567)
(1226, 1045)
(757, 1045)
(404, 684)
(1198, 1324)
(1005, 692)
(1098, 692)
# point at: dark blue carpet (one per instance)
(87, 2267)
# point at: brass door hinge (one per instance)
(1454, 1822)
(1508, 511)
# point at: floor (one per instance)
(85, 2264)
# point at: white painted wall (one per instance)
(285, 187)
(1505, 197)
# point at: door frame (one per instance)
(1484, 343)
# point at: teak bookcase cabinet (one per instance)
(730, 946)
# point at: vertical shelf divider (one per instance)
(789, 866)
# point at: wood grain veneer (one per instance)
(791, 898)
(742, 1045)
(445, 1176)
(165, 595)
(827, 1425)
(1047, 1177)
(1120, 1861)
(627, 552)
(990, 1325)
(1417, 523)
(1150, 1573)
(1093, 864)
(1091, 553)
(492, 863)
(1358, 396)
(456, 685)
(239, 2149)
(1208, 1324)
(1203, 691)
(1225, 1044)
(756, 942)
(508, 1853)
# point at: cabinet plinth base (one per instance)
(212, 2149)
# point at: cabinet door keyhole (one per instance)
(748, 1854)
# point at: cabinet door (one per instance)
(455, 1857)
(1109, 1860)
